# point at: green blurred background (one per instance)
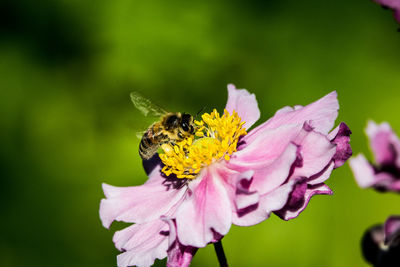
(67, 123)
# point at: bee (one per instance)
(170, 128)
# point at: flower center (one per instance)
(216, 138)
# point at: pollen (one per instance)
(215, 139)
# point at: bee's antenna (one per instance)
(201, 110)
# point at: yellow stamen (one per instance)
(215, 139)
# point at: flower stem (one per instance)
(220, 254)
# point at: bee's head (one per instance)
(172, 122)
(186, 124)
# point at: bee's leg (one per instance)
(171, 142)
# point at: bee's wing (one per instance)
(145, 106)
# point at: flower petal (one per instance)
(366, 176)
(264, 149)
(266, 187)
(340, 136)
(138, 204)
(316, 152)
(392, 229)
(322, 176)
(362, 170)
(143, 243)
(386, 182)
(272, 155)
(206, 210)
(178, 254)
(272, 176)
(181, 256)
(244, 103)
(245, 200)
(384, 143)
(321, 115)
(300, 197)
(272, 201)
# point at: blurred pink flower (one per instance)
(392, 4)
(277, 167)
(385, 174)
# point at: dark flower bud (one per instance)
(381, 244)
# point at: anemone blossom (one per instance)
(385, 174)
(199, 187)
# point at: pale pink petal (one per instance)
(392, 229)
(206, 210)
(143, 243)
(367, 176)
(299, 199)
(269, 202)
(362, 170)
(316, 152)
(137, 235)
(265, 148)
(334, 132)
(283, 110)
(138, 204)
(244, 103)
(384, 143)
(322, 176)
(272, 176)
(271, 155)
(321, 115)
(237, 185)
(244, 198)
(249, 207)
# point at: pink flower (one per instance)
(227, 177)
(385, 174)
(392, 4)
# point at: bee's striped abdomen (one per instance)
(150, 143)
